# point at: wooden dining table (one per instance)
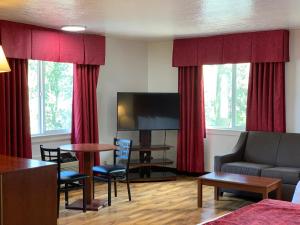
(88, 151)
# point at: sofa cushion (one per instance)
(261, 147)
(289, 151)
(288, 175)
(245, 168)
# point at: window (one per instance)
(225, 93)
(50, 97)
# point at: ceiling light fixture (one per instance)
(73, 28)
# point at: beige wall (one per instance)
(162, 77)
(125, 69)
(292, 84)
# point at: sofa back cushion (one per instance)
(289, 150)
(261, 147)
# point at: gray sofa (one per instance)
(266, 154)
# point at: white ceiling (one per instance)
(150, 19)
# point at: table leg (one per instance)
(92, 204)
(88, 158)
(217, 193)
(265, 194)
(278, 193)
(199, 193)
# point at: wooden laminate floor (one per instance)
(173, 202)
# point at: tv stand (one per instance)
(147, 168)
(145, 138)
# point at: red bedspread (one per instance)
(266, 212)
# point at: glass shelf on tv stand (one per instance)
(147, 168)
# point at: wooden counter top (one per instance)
(11, 164)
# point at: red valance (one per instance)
(210, 50)
(94, 52)
(45, 45)
(71, 48)
(185, 52)
(266, 46)
(16, 40)
(31, 42)
(237, 48)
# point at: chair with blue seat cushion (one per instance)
(117, 171)
(66, 180)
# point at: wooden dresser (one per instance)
(27, 192)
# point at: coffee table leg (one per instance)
(278, 193)
(265, 195)
(217, 193)
(199, 193)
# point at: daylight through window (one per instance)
(225, 91)
(50, 97)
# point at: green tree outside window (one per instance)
(225, 90)
(50, 93)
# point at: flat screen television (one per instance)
(147, 111)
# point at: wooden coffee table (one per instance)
(263, 185)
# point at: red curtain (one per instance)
(15, 138)
(190, 148)
(266, 97)
(84, 107)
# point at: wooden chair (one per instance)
(66, 180)
(115, 172)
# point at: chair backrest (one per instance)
(51, 155)
(123, 150)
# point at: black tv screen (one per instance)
(148, 111)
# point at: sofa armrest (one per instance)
(237, 155)
(220, 160)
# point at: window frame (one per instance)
(234, 126)
(41, 105)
